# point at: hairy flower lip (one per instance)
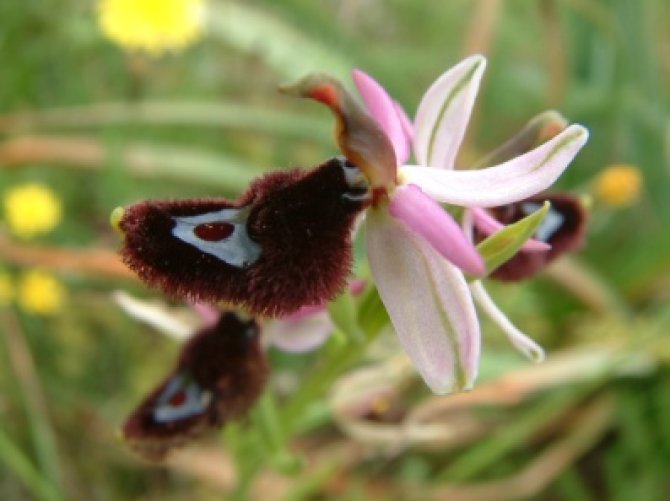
(220, 373)
(292, 229)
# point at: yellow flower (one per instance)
(31, 209)
(6, 289)
(40, 293)
(619, 185)
(154, 26)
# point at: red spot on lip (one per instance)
(178, 398)
(326, 94)
(213, 232)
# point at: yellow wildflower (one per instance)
(31, 209)
(6, 289)
(154, 26)
(619, 185)
(40, 293)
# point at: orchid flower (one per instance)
(219, 374)
(416, 251)
(435, 144)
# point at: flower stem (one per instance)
(266, 419)
(371, 319)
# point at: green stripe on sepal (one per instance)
(504, 244)
(448, 101)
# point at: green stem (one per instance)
(32, 396)
(372, 318)
(244, 448)
(267, 422)
(273, 425)
(16, 462)
(317, 384)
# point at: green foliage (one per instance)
(502, 245)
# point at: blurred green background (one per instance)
(100, 127)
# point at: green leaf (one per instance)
(501, 246)
(372, 315)
(16, 462)
(344, 315)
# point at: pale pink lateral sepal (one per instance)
(300, 332)
(509, 182)
(444, 113)
(520, 341)
(428, 302)
(488, 225)
(383, 109)
(423, 217)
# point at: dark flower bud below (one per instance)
(220, 374)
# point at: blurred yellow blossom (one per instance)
(39, 292)
(31, 209)
(619, 185)
(154, 26)
(6, 289)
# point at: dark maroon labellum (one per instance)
(563, 228)
(284, 244)
(220, 373)
(214, 231)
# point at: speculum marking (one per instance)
(222, 234)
